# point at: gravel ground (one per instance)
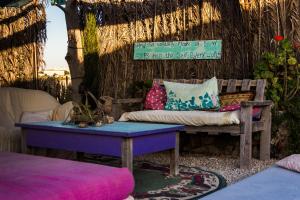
(226, 166)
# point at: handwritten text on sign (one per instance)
(178, 50)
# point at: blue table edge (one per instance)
(35, 125)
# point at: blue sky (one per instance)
(56, 45)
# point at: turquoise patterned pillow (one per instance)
(182, 96)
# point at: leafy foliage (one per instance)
(91, 57)
(292, 116)
(281, 70)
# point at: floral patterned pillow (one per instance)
(291, 162)
(182, 96)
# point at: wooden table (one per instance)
(120, 139)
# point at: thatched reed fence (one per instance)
(22, 35)
(246, 28)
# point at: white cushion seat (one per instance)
(191, 118)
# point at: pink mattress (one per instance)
(27, 177)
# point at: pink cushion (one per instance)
(30, 177)
(291, 162)
(230, 108)
(256, 111)
(156, 98)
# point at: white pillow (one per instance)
(184, 96)
(291, 162)
(41, 116)
(62, 112)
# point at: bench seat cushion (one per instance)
(27, 177)
(191, 118)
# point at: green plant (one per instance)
(292, 116)
(91, 58)
(281, 70)
(84, 114)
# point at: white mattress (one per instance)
(192, 118)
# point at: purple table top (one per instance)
(118, 129)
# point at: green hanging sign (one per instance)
(59, 2)
(178, 50)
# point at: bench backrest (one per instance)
(229, 86)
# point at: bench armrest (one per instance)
(130, 100)
(257, 103)
(246, 114)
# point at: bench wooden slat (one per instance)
(246, 85)
(232, 129)
(239, 83)
(260, 90)
(231, 87)
(220, 85)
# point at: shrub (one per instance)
(281, 70)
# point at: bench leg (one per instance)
(174, 157)
(127, 155)
(246, 138)
(265, 137)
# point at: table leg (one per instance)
(127, 156)
(174, 157)
(23, 141)
(80, 156)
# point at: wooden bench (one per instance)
(246, 126)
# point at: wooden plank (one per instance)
(246, 85)
(130, 100)
(207, 129)
(127, 153)
(158, 81)
(257, 126)
(197, 81)
(231, 87)
(220, 85)
(232, 129)
(246, 138)
(265, 137)
(24, 148)
(174, 158)
(257, 103)
(260, 90)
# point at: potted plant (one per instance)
(83, 116)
